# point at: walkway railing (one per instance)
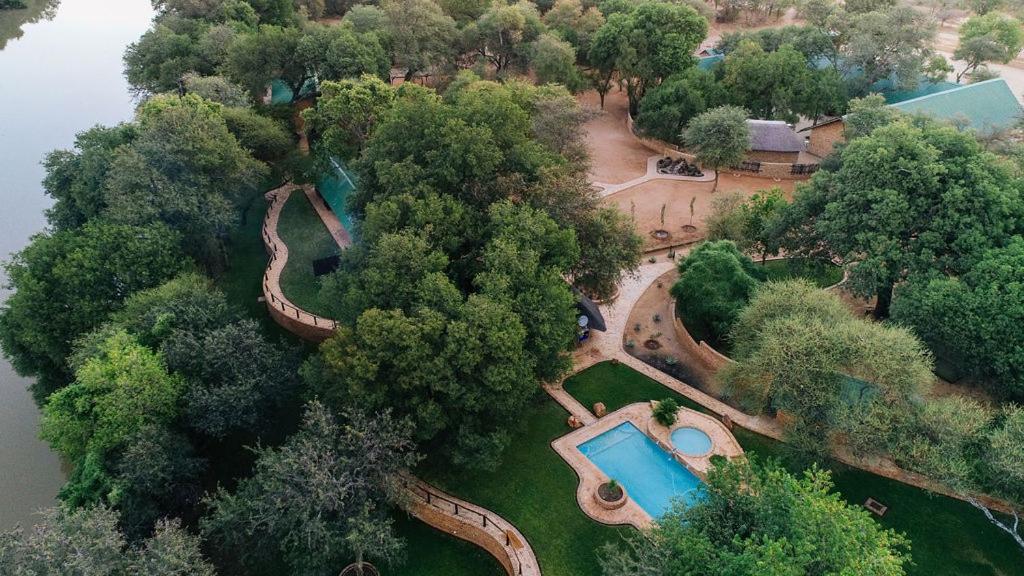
(294, 319)
(478, 525)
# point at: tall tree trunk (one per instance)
(715, 187)
(884, 302)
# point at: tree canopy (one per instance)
(755, 519)
(909, 198)
(715, 282)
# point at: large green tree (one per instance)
(758, 519)
(972, 321)
(800, 351)
(907, 199)
(68, 282)
(719, 138)
(667, 109)
(421, 35)
(88, 541)
(312, 502)
(715, 283)
(989, 38)
(648, 44)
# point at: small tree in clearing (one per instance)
(719, 137)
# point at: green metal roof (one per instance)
(924, 88)
(988, 106)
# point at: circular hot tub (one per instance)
(691, 441)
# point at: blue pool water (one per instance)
(691, 441)
(650, 475)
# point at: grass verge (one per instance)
(301, 229)
(535, 489)
(948, 537)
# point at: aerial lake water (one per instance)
(60, 73)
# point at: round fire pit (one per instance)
(652, 344)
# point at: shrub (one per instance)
(665, 412)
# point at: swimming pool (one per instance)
(691, 441)
(651, 476)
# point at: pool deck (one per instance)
(640, 415)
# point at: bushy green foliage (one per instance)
(990, 38)
(115, 395)
(667, 109)
(665, 412)
(646, 43)
(319, 501)
(68, 282)
(88, 541)
(715, 282)
(973, 321)
(907, 199)
(719, 138)
(799, 350)
(759, 519)
(346, 113)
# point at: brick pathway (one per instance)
(474, 524)
(292, 318)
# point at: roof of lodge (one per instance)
(774, 136)
(987, 106)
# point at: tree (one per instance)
(866, 114)
(554, 61)
(970, 321)
(185, 169)
(114, 397)
(906, 199)
(715, 282)
(777, 84)
(759, 519)
(75, 178)
(87, 541)
(321, 499)
(502, 36)
(68, 282)
(718, 138)
(647, 44)
(216, 89)
(236, 378)
(299, 57)
(266, 139)
(575, 25)
(799, 350)
(346, 113)
(892, 42)
(748, 222)
(989, 38)
(667, 109)
(421, 34)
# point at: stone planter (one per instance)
(353, 570)
(610, 504)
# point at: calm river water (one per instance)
(60, 73)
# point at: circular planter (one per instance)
(652, 344)
(661, 234)
(688, 228)
(614, 503)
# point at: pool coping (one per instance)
(640, 415)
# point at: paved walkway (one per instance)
(652, 174)
(474, 524)
(294, 319)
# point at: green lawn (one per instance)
(307, 239)
(429, 552)
(536, 490)
(948, 536)
(821, 274)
